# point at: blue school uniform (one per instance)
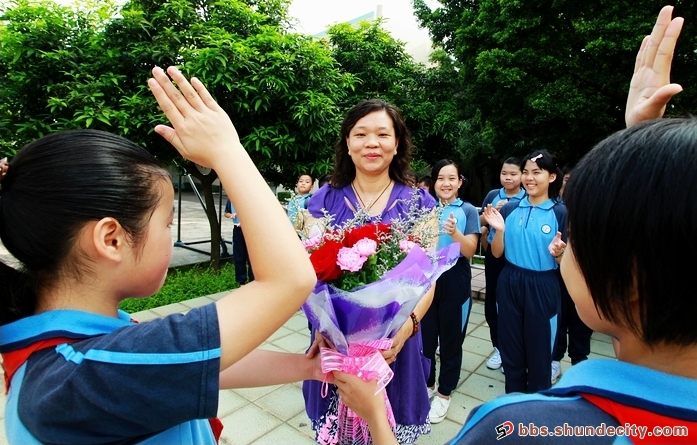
(528, 293)
(109, 380)
(599, 394)
(493, 265)
(447, 317)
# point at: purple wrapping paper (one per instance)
(376, 310)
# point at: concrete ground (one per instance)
(275, 414)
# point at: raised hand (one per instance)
(201, 131)
(494, 218)
(650, 88)
(557, 246)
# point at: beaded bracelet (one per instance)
(416, 324)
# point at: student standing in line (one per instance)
(510, 191)
(579, 335)
(446, 319)
(528, 294)
(243, 266)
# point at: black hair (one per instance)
(426, 179)
(546, 161)
(312, 178)
(625, 196)
(566, 169)
(325, 179)
(344, 168)
(437, 167)
(512, 160)
(53, 187)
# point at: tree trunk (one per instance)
(207, 193)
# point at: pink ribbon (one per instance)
(365, 361)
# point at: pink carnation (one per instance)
(366, 247)
(349, 259)
(406, 245)
(312, 242)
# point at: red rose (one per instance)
(324, 261)
(370, 231)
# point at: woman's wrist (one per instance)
(415, 324)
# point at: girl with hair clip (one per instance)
(528, 294)
(79, 370)
(446, 319)
(510, 191)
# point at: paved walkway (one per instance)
(275, 414)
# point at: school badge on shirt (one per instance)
(546, 229)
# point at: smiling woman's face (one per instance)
(372, 143)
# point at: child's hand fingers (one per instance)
(187, 97)
(170, 136)
(173, 103)
(205, 96)
(201, 131)
(341, 378)
(556, 246)
(659, 51)
(158, 86)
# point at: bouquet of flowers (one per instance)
(370, 278)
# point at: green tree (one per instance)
(550, 74)
(86, 67)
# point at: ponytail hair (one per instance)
(54, 186)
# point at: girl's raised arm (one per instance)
(650, 88)
(203, 133)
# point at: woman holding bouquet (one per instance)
(370, 175)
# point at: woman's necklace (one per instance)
(370, 202)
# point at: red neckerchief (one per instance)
(13, 360)
(630, 415)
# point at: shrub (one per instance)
(181, 285)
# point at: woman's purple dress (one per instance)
(407, 390)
